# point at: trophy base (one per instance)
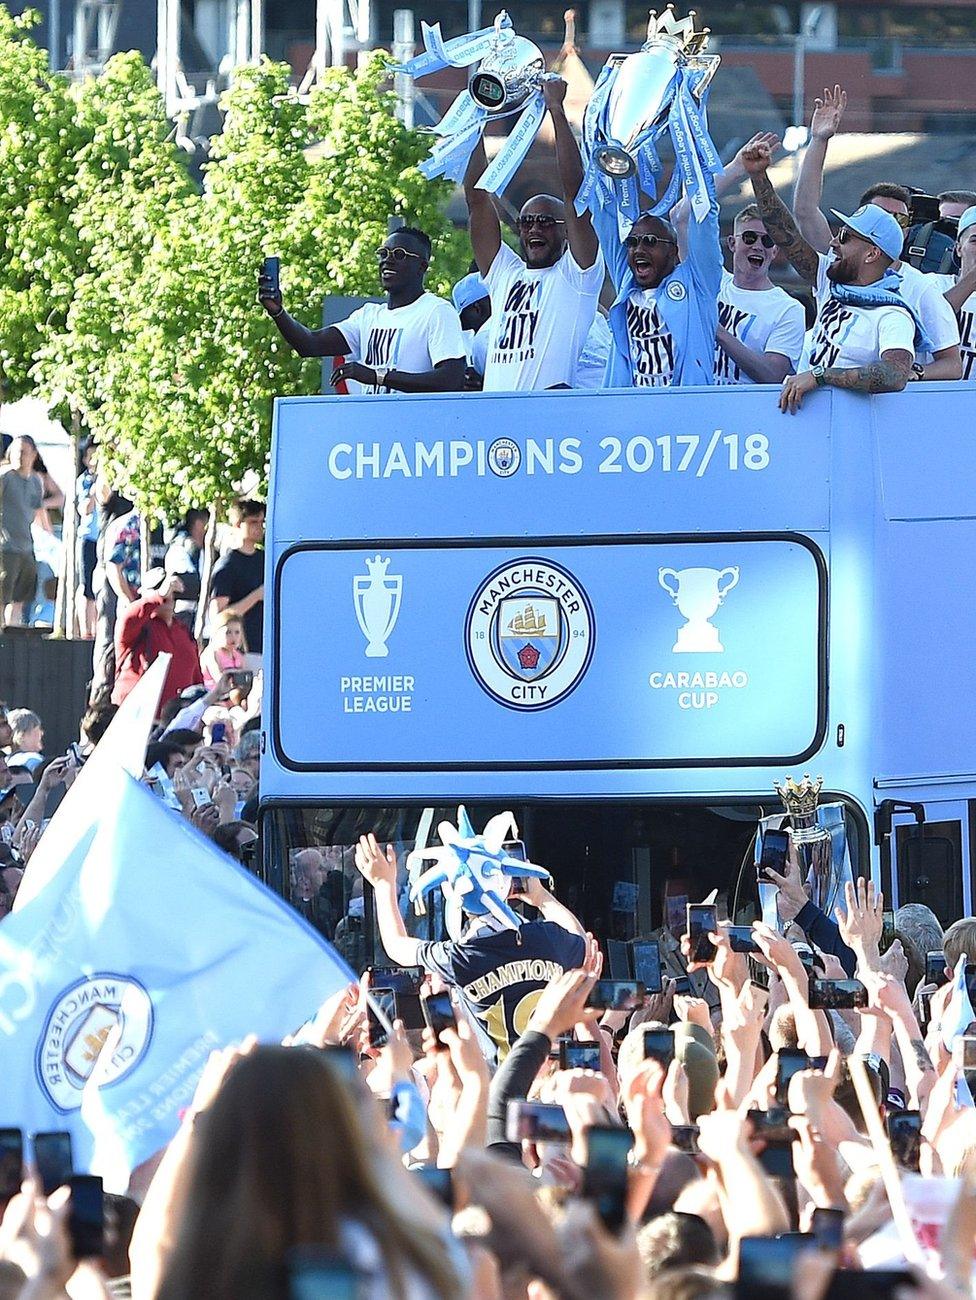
(697, 638)
(376, 652)
(615, 162)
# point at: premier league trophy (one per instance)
(638, 99)
(508, 80)
(810, 843)
(377, 600)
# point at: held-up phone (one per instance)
(837, 995)
(789, 1061)
(269, 283)
(904, 1128)
(376, 1030)
(218, 733)
(579, 1056)
(401, 979)
(647, 964)
(515, 849)
(437, 1181)
(767, 1265)
(77, 757)
(11, 1161)
(616, 995)
(199, 796)
(438, 1012)
(702, 921)
(935, 969)
(827, 1227)
(52, 1159)
(618, 959)
(887, 931)
(741, 939)
(242, 679)
(684, 1137)
(534, 1121)
(605, 1172)
(659, 1046)
(86, 1222)
(924, 1010)
(406, 1007)
(317, 1274)
(772, 1125)
(775, 851)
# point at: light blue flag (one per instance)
(147, 950)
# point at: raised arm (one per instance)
(731, 175)
(483, 224)
(579, 229)
(776, 215)
(328, 342)
(380, 869)
(824, 124)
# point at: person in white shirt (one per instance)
(864, 335)
(473, 306)
(412, 343)
(941, 360)
(542, 303)
(960, 290)
(760, 326)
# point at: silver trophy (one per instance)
(510, 73)
(644, 87)
(810, 843)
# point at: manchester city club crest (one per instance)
(529, 634)
(102, 1022)
(504, 457)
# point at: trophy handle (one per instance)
(663, 575)
(723, 591)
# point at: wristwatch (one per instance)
(380, 372)
(819, 374)
(918, 371)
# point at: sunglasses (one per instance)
(542, 220)
(751, 237)
(845, 234)
(904, 219)
(648, 241)
(396, 254)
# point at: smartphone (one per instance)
(605, 1172)
(199, 796)
(741, 939)
(684, 1137)
(516, 849)
(77, 757)
(616, 995)
(579, 1056)
(406, 1007)
(772, 1125)
(437, 1181)
(837, 995)
(646, 954)
(376, 1030)
(904, 1128)
(52, 1159)
(659, 1046)
(789, 1061)
(317, 1274)
(218, 733)
(774, 855)
(618, 959)
(767, 1264)
(871, 1284)
(935, 969)
(827, 1226)
(534, 1121)
(401, 979)
(924, 1010)
(242, 679)
(887, 930)
(86, 1221)
(11, 1162)
(270, 286)
(702, 921)
(682, 985)
(964, 1053)
(438, 1013)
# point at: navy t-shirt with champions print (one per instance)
(501, 974)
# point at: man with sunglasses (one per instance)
(941, 359)
(865, 333)
(542, 303)
(760, 326)
(411, 343)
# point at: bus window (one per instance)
(929, 861)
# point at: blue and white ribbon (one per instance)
(438, 53)
(509, 158)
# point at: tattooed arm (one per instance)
(889, 375)
(776, 216)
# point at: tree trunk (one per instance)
(66, 605)
(206, 572)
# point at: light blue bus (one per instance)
(622, 616)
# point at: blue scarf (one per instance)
(885, 292)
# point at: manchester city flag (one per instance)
(147, 950)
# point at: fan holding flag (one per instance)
(498, 962)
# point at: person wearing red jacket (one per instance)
(148, 628)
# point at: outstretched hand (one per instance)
(377, 867)
(827, 113)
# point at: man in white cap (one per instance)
(960, 290)
(865, 334)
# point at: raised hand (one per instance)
(757, 155)
(378, 867)
(827, 113)
(553, 91)
(860, 926)
(767, 139)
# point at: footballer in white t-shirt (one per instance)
(845, 336)
(966, 252)
(411, 343)
(761, 327)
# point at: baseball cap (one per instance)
(154, 579)
(469, 290)
(967, 219)
(877, 227)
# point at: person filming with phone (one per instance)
(148, 628)
(412, 343)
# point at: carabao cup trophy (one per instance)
(638, 98)
(810, 843)
(507, 80)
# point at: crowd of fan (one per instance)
(658, 1152)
